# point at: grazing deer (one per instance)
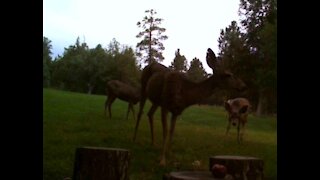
(118, 89)
(174, 92)
(238, 110)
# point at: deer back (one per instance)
(123, 91)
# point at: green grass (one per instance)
(72, 120)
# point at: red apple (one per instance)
(219, 171)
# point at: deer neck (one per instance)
(202, 90)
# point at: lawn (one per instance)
(72, 120)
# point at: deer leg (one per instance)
(228, 127)
(166, 143)
(172, 128)
(129, 105)
(164, 113)
(132, 109)
(238, 129)
(108, 104)
(242, 131)
(141, 105)
(105, 107)
(150, 115)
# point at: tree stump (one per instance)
(189, 175)
(96, 163)
(240, 167)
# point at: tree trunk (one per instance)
(101, 163)
(90, 88)
(260, 104)
(240, 167)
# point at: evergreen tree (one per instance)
(150, 48)
(260, 23)
(196, 71)
(179, 62)
(46, 61)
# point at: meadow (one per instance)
(72, 120)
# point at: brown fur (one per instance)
(238, 110)
(125, 92)
(173, 92)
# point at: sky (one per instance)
(191, 26)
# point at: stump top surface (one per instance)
(192, 175)
(102, 148)
(234, 157)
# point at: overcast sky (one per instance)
(192, 26)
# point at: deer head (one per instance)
(226, 78)
(236, 109)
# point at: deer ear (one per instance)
(211, 58)
(227, 106)
(243, 109)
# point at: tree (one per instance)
(196, 71)
(46, 61)
(69, 69)
(260, 23)
(235, 55)
(93, 68)
(150, 48)
(179, 62)
(87, 70)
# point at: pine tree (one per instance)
(150, 48)
(260, 23)
(179, 62)
(196, 71)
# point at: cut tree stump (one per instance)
(97, 163)
(189, 175)
(240, 167)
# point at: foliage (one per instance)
(179, 62)
(72, 120)
(87, 70)
(150, 47)
(46, 61)
(196, 71)
(260, 23)
(251, 53)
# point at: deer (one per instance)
(117, 89)
(174, 92)
(238, 110)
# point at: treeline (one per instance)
(87, 70)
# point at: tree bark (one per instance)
(240, 167)
(95, 163)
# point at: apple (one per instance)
(219, 171)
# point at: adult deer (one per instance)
(174, 92)
(117, 89)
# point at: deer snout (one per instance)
(234, 120)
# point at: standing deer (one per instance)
(118, 89)
(174, 92)
(238, 110)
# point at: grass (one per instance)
(72, 120)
